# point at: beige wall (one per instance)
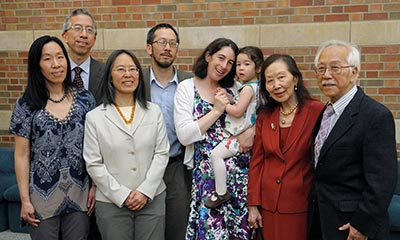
(264, 36)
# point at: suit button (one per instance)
(278, 181)
(134, 169)
(132, 153)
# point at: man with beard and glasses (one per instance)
(161, 80)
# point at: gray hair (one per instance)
(353, 57)
(67, 21)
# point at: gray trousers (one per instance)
(124, 224)
(179, 182)
(71, 226)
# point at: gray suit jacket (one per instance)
(146, 76)
(95, 79)
(356, 174)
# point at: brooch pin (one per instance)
(273, 126)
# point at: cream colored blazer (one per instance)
(119, 158)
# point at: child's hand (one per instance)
(223, 91)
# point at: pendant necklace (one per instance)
(286, 114)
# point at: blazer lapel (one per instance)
(138, 118)
(112, 115)
(298, 124)
(343, 124)
(95, 76)
(274, 134)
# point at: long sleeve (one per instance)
(187, 129)
(256, 165)
(96, 168)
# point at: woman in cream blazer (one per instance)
(126, 152)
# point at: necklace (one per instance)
(286, 114)
(59, 100)
(127, 122)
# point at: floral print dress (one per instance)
(229, 221)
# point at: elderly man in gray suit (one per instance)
(354, 153)
(161, 80)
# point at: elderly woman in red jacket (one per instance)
(280, 175)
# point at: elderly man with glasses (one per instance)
(354, 153)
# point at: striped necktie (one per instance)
(323, 132)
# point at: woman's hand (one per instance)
(221, 99)
(246, 139)
(136, 201)
(28, 214)
(91, 200)
(255, 219)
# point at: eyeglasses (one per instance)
(334, 70)
(123, 70)
(163, 42)
(79, 28)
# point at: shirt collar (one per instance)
(85, 65)
(342, 102)
(174, 79)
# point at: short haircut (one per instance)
(152, 31)
(353, 57)
(67, 21)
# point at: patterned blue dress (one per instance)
(229, 221)
(58, 182)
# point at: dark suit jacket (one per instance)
(95, 79)
(356, 174)
(280, 179)
(146, 76)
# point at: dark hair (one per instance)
(108, 90)
(152, 31)
(36, 92)
(200, 66)
(67, 21)
(266, 102)
(254, 53)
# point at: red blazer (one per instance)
(280, 180)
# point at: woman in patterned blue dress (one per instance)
(199, 120)
(48, 124)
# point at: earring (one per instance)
(295, 87)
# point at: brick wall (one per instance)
(295, 27)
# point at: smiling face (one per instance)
(220, 63)
(335, 86)
(163, 56)
(280, 83)
(80, 42)
(125, 75)
(53, 64)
